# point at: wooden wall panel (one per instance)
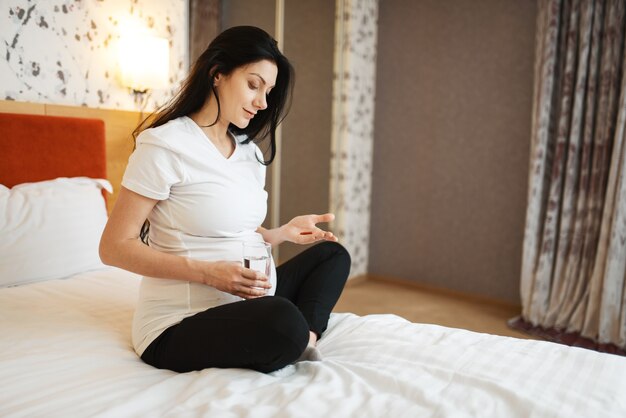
(9, 106)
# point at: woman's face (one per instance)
(244, 92)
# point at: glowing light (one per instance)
(144, 61)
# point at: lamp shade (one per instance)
(144, 62)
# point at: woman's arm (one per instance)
(301, 230)
(120, 246)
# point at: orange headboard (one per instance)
(38, 147)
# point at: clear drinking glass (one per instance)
(257, 256)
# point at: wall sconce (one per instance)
(144, 64)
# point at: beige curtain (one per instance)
(574, 258)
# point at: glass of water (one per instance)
(257, 256)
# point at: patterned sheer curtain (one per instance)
(574, 260)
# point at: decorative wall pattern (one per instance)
(353, 126)
(65, 51)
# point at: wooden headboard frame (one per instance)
(119, 125)
(38, 147)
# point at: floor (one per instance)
(364, 296)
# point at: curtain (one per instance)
(574, 253)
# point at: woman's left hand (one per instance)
(303, 229)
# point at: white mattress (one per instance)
(65, 351)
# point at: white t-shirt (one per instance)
(208, 205)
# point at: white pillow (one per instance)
(50, 229)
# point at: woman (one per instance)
(194, 191)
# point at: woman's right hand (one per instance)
(232, 277)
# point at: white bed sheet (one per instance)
(65, 351)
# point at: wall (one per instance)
(309, 37)
(452, 137)
(204, 25)
(64, 52)
(305, 183)
(260, 13)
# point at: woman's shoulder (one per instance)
(246, 145)
(164, 135)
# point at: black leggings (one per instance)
(263, 334)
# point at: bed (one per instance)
(65, 318)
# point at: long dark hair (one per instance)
(233, 48)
